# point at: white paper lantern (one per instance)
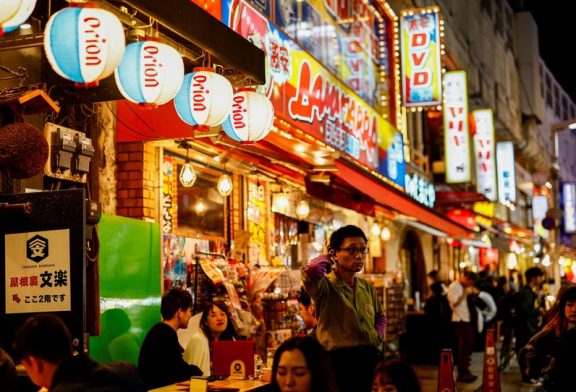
(13, 13)
(84, 43)
(205, 99)
(251, 118)
(150, 73)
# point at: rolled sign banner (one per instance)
(150, 74)
(13, 13)
(251, 118)
(205, 98)
(84, 43)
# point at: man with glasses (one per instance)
(351, 321)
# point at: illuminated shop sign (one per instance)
(569, 199)
(484, 153)
(306, 94)
(456, 139)
(394, 166)
(420, 56)
(420, 189)
(506, 172)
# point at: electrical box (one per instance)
(70, 153)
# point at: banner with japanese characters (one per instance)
(506, 172)
(421, 57)
(456, 139)
(484, 152)
(37, 272)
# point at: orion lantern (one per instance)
(150, 73)
(84, 43)
(205, 99)
(251, 118)
(13, 13)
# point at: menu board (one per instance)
(395, 304)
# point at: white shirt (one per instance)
(460, 312)
(198, 352)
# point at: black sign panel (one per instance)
(42, 253)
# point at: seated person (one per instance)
(214, 325)
(160, 361)
(301, 364)
(44, 345)
(395, 375)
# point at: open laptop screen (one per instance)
(234, 358)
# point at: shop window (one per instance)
(201, 209)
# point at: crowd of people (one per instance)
(342, 349)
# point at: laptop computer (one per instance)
(233, 358)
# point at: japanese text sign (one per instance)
(506, 172)
(421, 57)
(37, 272)
(456, 139)
(484, 153)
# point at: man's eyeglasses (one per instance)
(353, 251)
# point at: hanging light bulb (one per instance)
(302, 209)
(280, 203)
(200, 207)
(224, 185)
(375, 229)
(187, 174)
(385, 234)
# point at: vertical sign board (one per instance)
(506, 172)
(569, 207)
(456, 139)
(484, 153)
(421, 57)
(43, 261)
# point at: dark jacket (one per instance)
(551, 357)
(160, 361)
(81, 373)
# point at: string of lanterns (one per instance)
(86, 44)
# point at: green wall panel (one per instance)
(130, 289)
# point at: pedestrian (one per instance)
(215, 324)
(395, 375)
(44, 345)
(438, 318)
(302, 365)
(528, 313)
(307, 312)
(551, 353)
(351, 320)
(464, 321)
(160, 361)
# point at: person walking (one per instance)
(464, 321)
(160, 361)
(351, 320)
(528, 314)
(44, 344)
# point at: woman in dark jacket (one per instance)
(551, 353)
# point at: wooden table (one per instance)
(242, 385)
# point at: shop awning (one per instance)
(398, 201)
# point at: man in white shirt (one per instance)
(463, 322)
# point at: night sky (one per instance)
(556, 21)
